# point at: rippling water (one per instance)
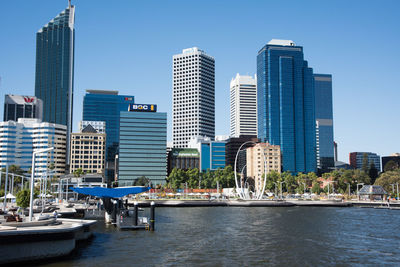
(233, 236)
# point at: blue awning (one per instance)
(110, 192)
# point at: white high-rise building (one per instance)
(193, 96)
(18, 140)
(243, 106)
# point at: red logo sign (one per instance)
(128, 98)
(29, 99)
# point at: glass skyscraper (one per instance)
(286, 106)
(55, 68)
(324, 118)
(106, 105)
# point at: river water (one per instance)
(249, 236)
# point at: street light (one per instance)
(358, 195)
(328, 187)
(281, 187)
(349, 188)
(39, 151)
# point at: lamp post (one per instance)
(39, 151)
(304, 191)
(358, 195)
(5, 189)
(349, 188)
(328, 187)
(281, 187)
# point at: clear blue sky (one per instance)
(128, 45)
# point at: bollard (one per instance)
(135, 221)
(152, 217)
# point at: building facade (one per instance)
(324, 122)
(212, 153)
(18, 106)
(232, 147)
(357, 158)
(18, 140)
(99, 126)
(55, 69)
(143, 145)
(183, 158)
(106, 105)
(395, 157)
(286, 104)
(261, 157)
(193, 112)
(243, 106)
(88, 149)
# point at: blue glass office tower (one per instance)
(212, 155)
(324, 118)
(55, 69)
(106, 105)
(142, 147)
(286, 106)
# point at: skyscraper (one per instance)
(243, 105)
(324, 120)
(286, 105)
(193, 96)
(106, 105)
(55, 68)
(143, 146)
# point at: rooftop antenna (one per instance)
(69, 3)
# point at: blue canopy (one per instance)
(110, 192)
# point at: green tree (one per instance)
(388, 178)
(23, 198)
(391, 165)
(316, 189)
(78, 172)
(373, 172)
(142, 181)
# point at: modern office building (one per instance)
(183, 158)
(99, 126)
(18, 140)
(395, 157)
(243, 106)
(193, 112)
(18, 106)
(142, 146)
(261, 157)
(357, 158)
(232, 148)
(286, 104)
(106, 105)
(212, 153)
(324, 122)
(88, 149)
(54, 82)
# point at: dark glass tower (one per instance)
(286, 106)
(55, 69)
(105, 105)
(324, 117)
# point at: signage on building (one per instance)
(128, 99)
(29, 99)
(142, 107)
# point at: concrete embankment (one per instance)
(241, 203)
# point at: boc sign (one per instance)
(142, 107)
